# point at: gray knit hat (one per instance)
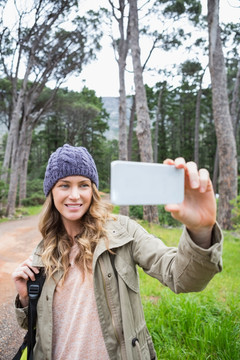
(68, 161)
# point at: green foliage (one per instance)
(33, 200)
(35, 195)
(80, 120)
(236, 213)
(3, 192)
(176, 126)
(196, 326)
(164, 216)
(191, 68)
(136, 211)
(181, 7)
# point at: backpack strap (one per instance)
(34, 292)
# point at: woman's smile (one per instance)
(73, 206)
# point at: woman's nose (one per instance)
(75, 193)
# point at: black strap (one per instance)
(20, 350)
(34, 292)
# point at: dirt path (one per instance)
(17, 241)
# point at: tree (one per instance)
(122, 46)
(223, 124)
(46, 51)
(143, 119)
(193, 70)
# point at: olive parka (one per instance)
(187, 268)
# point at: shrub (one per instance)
(34, 186)
(136, 211)
(34, 199)
(236, 213)
(35, 195)
(3, 191)
(165, 217)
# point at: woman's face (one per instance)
(72, 197)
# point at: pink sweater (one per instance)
(77, 333)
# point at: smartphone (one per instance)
(140, 183)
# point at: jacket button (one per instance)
(109, 275)
(47, 297)
(134, 340)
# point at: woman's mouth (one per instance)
(73, 206)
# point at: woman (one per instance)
(90, 306)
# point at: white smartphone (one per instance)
(140, 183)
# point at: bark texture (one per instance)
(197, 122)
(158, 119)
(131, 127)
(223, 124)
(235, 101)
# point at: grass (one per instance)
(24, 211)
(199, 326)
(33, 210)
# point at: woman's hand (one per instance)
(198, 210)
(20, 277)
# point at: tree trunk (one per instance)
(123, 153)
(197, 121)
(20, 153)
(25, 148)
(12, 136)
(223, 124)
(158, 118)
(130, 129)
(123, 48)
(12, 192)
(235, 101)
(150, 213)
(215, 171)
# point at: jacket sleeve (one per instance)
(187, 268)
(21, 314)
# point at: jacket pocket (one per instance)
(146, 350)
(151, 349)
(128, 273)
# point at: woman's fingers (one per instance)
(168, 162)
(192, 171)
(178, 162)
(196, 179)
(204, 179)
(26, 270)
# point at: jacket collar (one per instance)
(117, 237)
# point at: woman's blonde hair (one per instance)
(57, 244)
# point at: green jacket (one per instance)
(116, 285)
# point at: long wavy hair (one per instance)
(57, 244)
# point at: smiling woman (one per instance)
(90, 305)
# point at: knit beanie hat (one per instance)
(68, 161)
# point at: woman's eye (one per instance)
(85, 185)
(64, 186)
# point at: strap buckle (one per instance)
(34, 290)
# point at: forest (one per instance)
(46, 42)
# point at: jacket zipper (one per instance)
(117, 332)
